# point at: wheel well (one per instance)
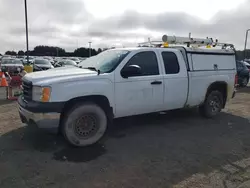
(100, 100)
(219, 86)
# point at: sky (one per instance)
(73, 23)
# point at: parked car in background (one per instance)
(11, 65)
(243, 73)
(25, 60)
(247, 60)
(75, 59)
(41, 64)
(50, 59)
(247, 65)
(64, 63)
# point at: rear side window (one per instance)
(170, 62)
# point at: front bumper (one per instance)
(43, 119)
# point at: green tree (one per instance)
(99, 50)
(84, 52)
(20, 53)
(48, 51)
(10, 53)
(81, 52)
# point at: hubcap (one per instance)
(214, 104)
(86, 126)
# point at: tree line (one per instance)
(56, 51)
(240, 55)
(82, 52)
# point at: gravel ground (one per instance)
(178, 149)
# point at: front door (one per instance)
(140, 94)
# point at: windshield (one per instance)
(11, 61)
(6, 61)
(29, 58)
(106, 61)
(17, 62)
(42, 62)
(69, 62)
(74, 59)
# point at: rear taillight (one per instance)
(236, 80)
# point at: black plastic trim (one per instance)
(210, 53)
(202, 70)
(156, 83)
(41, 107)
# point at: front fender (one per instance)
(66, 91)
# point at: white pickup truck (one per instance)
(80, 102)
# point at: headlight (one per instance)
(41, 94)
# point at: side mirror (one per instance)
(131, 70)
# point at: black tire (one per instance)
(85, 124)
(244, 82)
(212, 104)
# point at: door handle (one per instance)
(156, 82)
(215, 67)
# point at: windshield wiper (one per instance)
(92, 68)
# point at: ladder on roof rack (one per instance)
(166, 40)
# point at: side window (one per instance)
(171, 63)
(147, 61)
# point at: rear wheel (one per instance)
(212, 104)
(84, 124)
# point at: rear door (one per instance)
(175, 79)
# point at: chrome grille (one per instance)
(27, 90)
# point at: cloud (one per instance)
(160, 22)
(48, 20)
(227, 26)
(68, 24)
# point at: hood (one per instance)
(61, 74)
(69, 66)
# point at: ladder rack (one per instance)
(189, 42)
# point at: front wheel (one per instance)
(212, 104)
(84, 124)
